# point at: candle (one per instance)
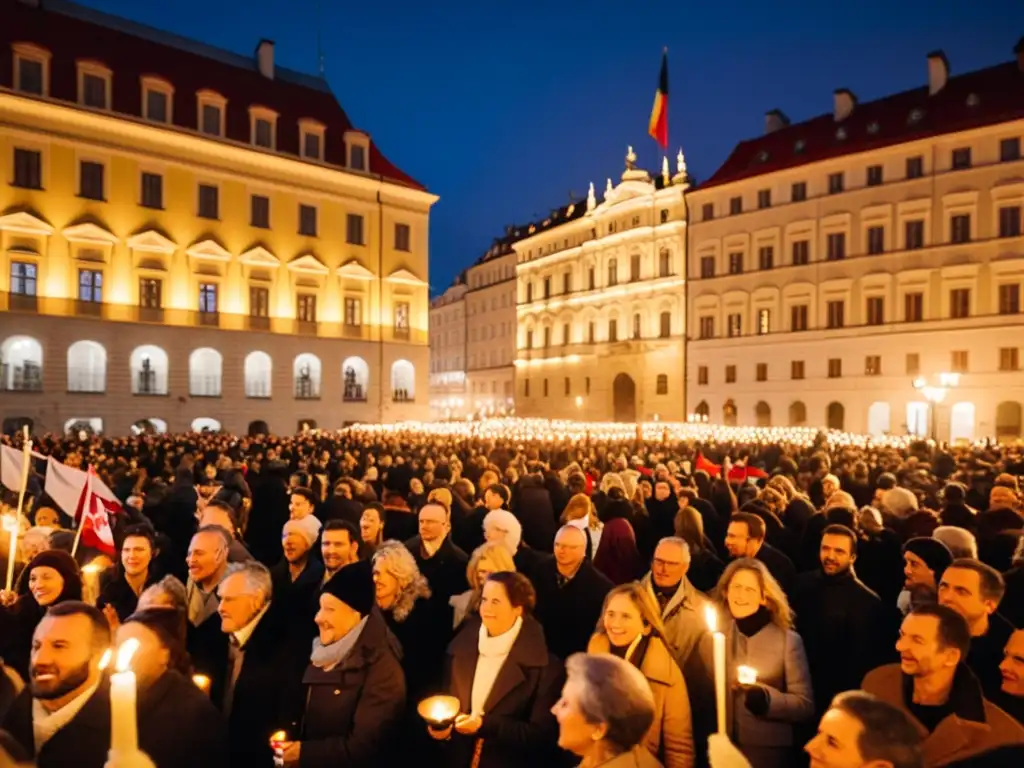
(26, 466)
(718, 640)
(124, 737)
(91, 582)
(278, 740)
(11, 526)
(202, 682)
(439, 711)
(746, 675)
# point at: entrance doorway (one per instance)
(624, 398)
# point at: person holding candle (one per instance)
(631, 628)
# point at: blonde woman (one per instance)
(630, 627)
(489, 558)
(580, 513)
(760, 636)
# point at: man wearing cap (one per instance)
(354, 689)
(924, 561)
(297, 578)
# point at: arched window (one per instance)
(306, 371)
(258, 370)
(917, 418)
(149, 368)
(87, 367)
(355, 374)
(150, 426)
(703, 410)
(21, 364)
(613, 330)
(797, 414)
(961, 422)
(91, 426)
(763, 414)
(204, 373)
(1008, 420)
(403, 382)
(879, 419)
(835, 415)
(729, 413)
(665, 329)
(205, 424)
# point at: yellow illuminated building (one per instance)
(196, 238)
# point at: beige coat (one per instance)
(671, 734)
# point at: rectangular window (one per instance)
(836, 246)
(1009, 359)
(529, 339)
(958, 361)
(874, 176)
(960, 303)
(913, 234)
(547, 338)
(835, 183)
(23, 278)
(801, 252)
(766, 257)
(353, 312)
(311, 145)
(1009, 299)
(305, 308)
(761, 372)
(357, 155)
(28, 169)
(730, 374)
(1009, 150)
(263, 133)
(708, 211)
(875, 310)
(735, 205)
(873, 365)
(836, 313)
(307, 220)
(736, 263)
(207, 297)
(210, 120)
(150, 293)
(90, 180)
(876, 240)
(734, 326)
(30, 76)
(568, 386)
(634, 267)
(707, 266)
(259, 301)
(961, 158)
(613, 272)
(90, 285)
(259, 211)
(707, 327)
(354, 229)
(209, 201)
(94, 91)
(665, 326)
(702, 375)
(915, 167)
(835, 368)
(798, 317)
(960, 228)
(913, 307)
(402, 319)
(764, 198)
(591, 279)
(664, 263)
(156, 106)
(526, 387)
(403, 238)
(1009, 221)
(591, 332)
(566, 333)
(547, 287)
(796, 369)
(913, 363)
(764, 321)
(567, 282)
(798, 192)
(152, 190)
(613, 330)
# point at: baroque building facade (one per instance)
(191, 238)
(846, 267)
(448, 353)
(491, 329)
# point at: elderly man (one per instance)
(502, 526)
(207, 565)
(439, 560)
(682, 606)
(924, 561)
(298, 577)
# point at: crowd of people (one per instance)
(303, 599)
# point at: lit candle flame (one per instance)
(711, 617)
(92, 567)
(746, 675)
(106, 658)
(202, 682)
(125, 654)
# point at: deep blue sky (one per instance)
(502, 108)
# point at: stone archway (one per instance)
(835, 415)
(624, 398)
(257, 428)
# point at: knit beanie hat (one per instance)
(308, 527)
(169, 624)
(935, 554)
(353, 585)
(62, 563)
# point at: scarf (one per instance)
(493, 652)
(635, 652)
(755, 622)
(327, 657)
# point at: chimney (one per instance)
(1019, 50)
(843, 102)
(775, 120)
(265, 58)
(938, 72)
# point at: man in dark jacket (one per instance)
(840, 618)
(354, 686)
(570, 594)
(532, 505)
(439, 560)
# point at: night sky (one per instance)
(505, 108)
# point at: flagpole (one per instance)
(26, 458)
(87, 502)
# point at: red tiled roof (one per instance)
(71, 33)
(972, 100)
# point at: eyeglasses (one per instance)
(659, 563)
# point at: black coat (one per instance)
(299, 599)
(82, 743)
(1012, 605)
(423, 635)
(268, 515)
(569, 613)
(535, 512)
(779, 566)
(173, 699)
(121, 596)
(518, 728)
(468, 528)
(986, 654)
(528, 561)
(352, 711)
(705, 569)
(445, 571)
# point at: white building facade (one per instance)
(448, 353)
(491, 329)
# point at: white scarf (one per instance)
(493, 652)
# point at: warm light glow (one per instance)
(93, 567)
(579, 401)
(106, 658)
(11, 523)
(711, 617)
(439, 710)
(125, 654)
(202, 682)
(746, 675)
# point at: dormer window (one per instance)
(263, 127)
(311, 139)
(157, 100)
(94, 85)
(357, 145)
(31, 69)
(211, 106)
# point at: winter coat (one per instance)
(121, 596)
(299, 600)
(518, 728)
(1012, 604)
(683, 618)
(423, 636)
(986, 654)
(445, 570)
(569, 613)
(352, 711)
(175, 699)
(706, 568)
(779, 566)
(617, 556)
(534, 509)
(670, 737)
(635, 758)
(83, 742)
(975, 726)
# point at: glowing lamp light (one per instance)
(746, 675)
(202, 682)
(439, 711)
(10, 523)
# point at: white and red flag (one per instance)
(87, 499)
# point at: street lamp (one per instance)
(935, 394)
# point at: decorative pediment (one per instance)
(623, 192)
(25, 223)
(151, 241)
(404, 277)
(210, 250)
(353, 270)
(258, 256)
(89, 234)
(308, 264)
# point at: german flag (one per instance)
(658, 126)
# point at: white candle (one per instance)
(124, 736)
(11, 526)
(26, 466)
(91, 582)
(718, 641)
